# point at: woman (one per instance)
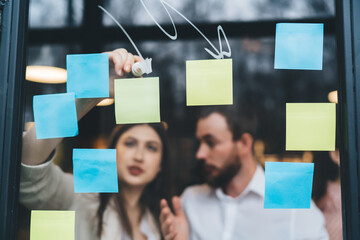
(130, 214)
(140, 149)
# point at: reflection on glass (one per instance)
(55, 13)
(133, 13)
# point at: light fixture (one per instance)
(333, 96)
(105, 102)
(45, 74)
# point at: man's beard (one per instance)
(225, 174)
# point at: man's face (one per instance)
(217, 150)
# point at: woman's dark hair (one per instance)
(153, 192)
(324, 170)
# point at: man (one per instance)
(231, 203)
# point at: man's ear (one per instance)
(245, 144)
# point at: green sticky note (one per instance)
(137, 100)
(310, 126)
(209, 82)
(54, 225)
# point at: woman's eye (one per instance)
(129, 143)
(152, 148)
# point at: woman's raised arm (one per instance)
(36, 151)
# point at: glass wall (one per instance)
(256, 84)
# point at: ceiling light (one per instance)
(105, 102)
(333, 96)
(45, 74)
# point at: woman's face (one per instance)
(139, 153)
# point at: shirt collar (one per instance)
(256, 185)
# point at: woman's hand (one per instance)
(174, 226)
(120, 63)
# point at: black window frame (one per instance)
(12, 74)
(348, 47)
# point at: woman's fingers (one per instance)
(165, 212)
(163, 203)
(122, 61)
(167, 226)
(170, 236)
(118, 58)
(177, 206)
(167, 220)
(129, 62)
(137, 58)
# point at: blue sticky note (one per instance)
(88, 75)
(299, 46)
(288, 185)
(95, 170)
(55, 115)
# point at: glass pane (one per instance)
(256, 84)
(133, 13)
(55, 13)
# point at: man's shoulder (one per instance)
(197, 191)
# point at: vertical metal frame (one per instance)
(348, 44)
(12, 73)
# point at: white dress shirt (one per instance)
(212, 215)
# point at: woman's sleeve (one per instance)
(46, 187)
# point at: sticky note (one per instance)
(54, 225)
(55, 115)
(209, 82)
(299, 46)
(310, 126)
(95, 170)
(88, 75)
(288, 185)
(137, 100)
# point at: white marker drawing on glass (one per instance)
(144, 66)
(139, 68)
(219, 54)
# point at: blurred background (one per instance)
(61, 27)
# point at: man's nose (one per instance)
(202, 152)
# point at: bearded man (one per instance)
(230, 205)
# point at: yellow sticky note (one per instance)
(310, 126)
(209, 82)
(54, 225)
(137, 100)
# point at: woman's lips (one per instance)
(135, 171)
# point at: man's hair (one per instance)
(239, 121)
